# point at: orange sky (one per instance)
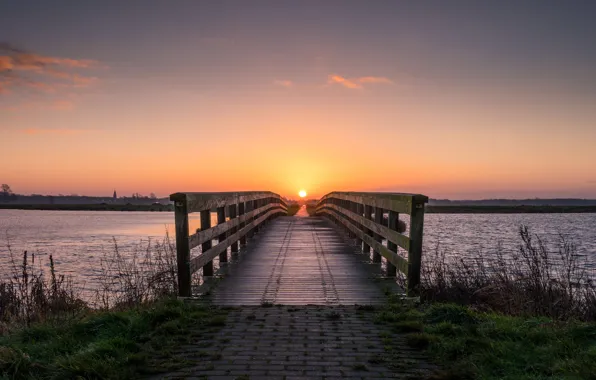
(246, 103)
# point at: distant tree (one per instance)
(6, 189)
(152, 196)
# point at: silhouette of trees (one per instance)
(6, 193)
(6, 190)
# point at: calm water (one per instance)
(78, 239)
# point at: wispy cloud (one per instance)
(381, 80)
(348, 83)
(22, 70)
(284, 83)
(357, 83)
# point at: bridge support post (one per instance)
(182, 248)
(393, 223)
(367, 215)
(241, 208)
(415, 251)
(379, 220)
(250, 207)
(232, 215)
(205, 225)
(221, 218)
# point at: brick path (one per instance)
(304, 342)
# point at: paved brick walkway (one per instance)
(304, 342)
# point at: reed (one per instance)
(535, 280)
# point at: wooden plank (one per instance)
(300, 261)
(208, 255)
(202, 236)
(368, 232)
(399, 202)
(392, 257)
(389, 234)
(206, 246)
(221, 219)
(415, 252)
(182, 249)
(206, 201)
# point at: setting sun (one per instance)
(302, 193)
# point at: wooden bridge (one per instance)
(335, 257)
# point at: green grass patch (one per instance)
(472, 345)
(114, 345)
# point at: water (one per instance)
(78, 239)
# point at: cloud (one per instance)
(357, 83)
(382, 80)
(348, 83)
(283, 83)
(56, 131)
(21, 70)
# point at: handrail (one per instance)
(244, 211)
(354, 211)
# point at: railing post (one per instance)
(378, 220)
(205, 225)
(221, 218)
(232, 214)
(367, 215)
(250, 207)
(241, 208)
(182, 248)
(393, 225)
(415, 252)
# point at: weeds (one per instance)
(536, 281)
(137, 277)
(28, 296)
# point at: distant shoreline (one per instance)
(88, 207)
(460, 209)
(430, 209)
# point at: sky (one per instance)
(458, 99)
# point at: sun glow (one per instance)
(302, 193)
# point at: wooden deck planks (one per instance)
(298, 261)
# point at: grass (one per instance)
(115, 345)
(469, 344)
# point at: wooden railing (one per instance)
(239, 214)
(354, 211)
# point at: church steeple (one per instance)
(115, 196)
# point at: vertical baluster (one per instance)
(221, 218)
(182, 248)
(393, 223)
(367, 215)
(415, 252)
(232, 214)
(360, 211)
(378, 220)
(241, 208)
(205, 225)
(249, 208)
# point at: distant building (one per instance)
(114, 197)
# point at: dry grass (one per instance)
(137, 277)
(32, 294)
(28, 296)
(537, 280)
